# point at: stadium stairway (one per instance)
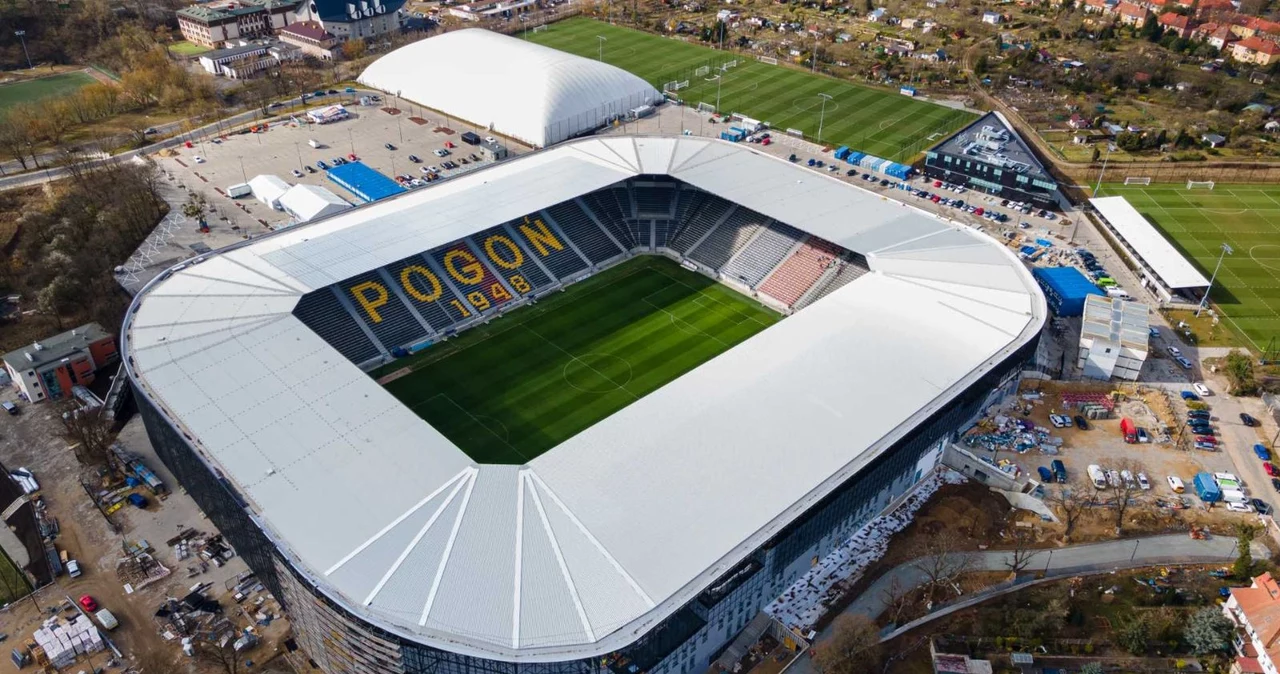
(837, 277)
(725, 241)
(583, 232)
(603, 205)
(712, 212)
(758, 258)
(798, 273)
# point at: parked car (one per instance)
(1045, 474)
(10, 407)
(1189, 396)
(1059, 470)
(441, 153)
(1248, 420)
(1143, 482)
(1261, 451)
(1081, 423)
(1261, 506)
(1186, 364)
(297, 173)
(1240, 507)
(1202, 389)
(1175, 483)
(322, 166)
(352, 157)
(309, 169)
(414, 158)
(1270, 469)
(88, 604)
(73, 568)
(389, 146)
(1174, 351)
(1143, 436)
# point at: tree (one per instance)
(354, 49)
(90, 431)
(1208, 631)
(1019, 557)
(1092, 668)
(195, 206)
(942, 559)
(854, 647)
(897, 599)
(1133, 635)
(1238, 366)
(1124, 492)
(1072, 501)
(1242, 569)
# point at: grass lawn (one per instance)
(883, 123)
(14, 585)
(507, 392)
(1198, 222)
(184, 48)
(44, 87)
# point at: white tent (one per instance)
(308, 202)
(268, 189)
(532, 93)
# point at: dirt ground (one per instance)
(32, 440)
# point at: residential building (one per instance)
(1213, 140)
(240, 61)
(1113, 338)
(989, 156)
(310, 38)
(1220, 37)
(1078, 122)
(1097, 6)
(1256, 612)
(354, 19)
(1255, 50)
(477, 11)
(47, 369)
(1177, 24)
(213, 24)
(1131, 14)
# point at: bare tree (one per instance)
(942, 558)
(854, 647)
(1071, 501)
(1123, 491)
(1020, 555)
(91, 433)
(219, 653)
(897, 599)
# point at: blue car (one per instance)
(1189, 395)
(1262, 452)
(1045, 474)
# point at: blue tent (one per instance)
(1065, 289)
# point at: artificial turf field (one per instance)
(883, 123)
(29, 91)
(509, 391)
(1199, 221)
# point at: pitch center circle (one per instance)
(804, 104)
(1273, 260)
(597, 372)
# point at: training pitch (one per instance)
(883, 123)
(1199, 221)
(30, 91)
(511, 390)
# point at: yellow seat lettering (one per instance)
(370, 295)
(498, 293)
(469, 271)
(541, 237)
(518, 282)
(490, 248)
(478, 300)
(406, 279)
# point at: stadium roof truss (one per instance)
(588, 546)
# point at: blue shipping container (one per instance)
(1065, 289)
(842, 152)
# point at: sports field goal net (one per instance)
(675, 86)
(1137, 181)
(706, 107)
(702, 70)
(539, 29)
(767, 59)
(1199, 184)
(730, 64)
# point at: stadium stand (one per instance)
(389, 319)
(492, 242)
(653, 200)
(560, 259)
(730, 237)
(800, 271)
(712, 210)
(604, 204)
(438, 310)
(663, 231)
(688, 201)
(845, 271)
(766, 252)
(324, 314)
(471, 276)
(579, 227)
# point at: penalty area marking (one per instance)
(886, 123)
(488, 421)
(1253, 256)
(591, 362)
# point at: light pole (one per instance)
(351, 140)
(718, 79)
(813, 60)
(1226, 250)
(822, 114)
(1103, 172)
(602, 40)
(22, 35)
(523, 32)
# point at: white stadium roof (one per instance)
(532, 93)
(1173, 269)
(595, 542)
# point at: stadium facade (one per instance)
(646, 542)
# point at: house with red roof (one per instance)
(1205, 7)
(1131, 14)
(1178, 24)
(1255, 50)
(1256, 612)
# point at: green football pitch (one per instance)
(883, 123)
(29, 91)
(1199, 221)
(509, 391)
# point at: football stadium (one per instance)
(589, 409)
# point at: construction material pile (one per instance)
(59, 641)
(139, 570)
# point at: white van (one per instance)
(1098, 477)
(1234, 496)
(108, 620)
(1175, 483)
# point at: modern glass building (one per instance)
(989, 156)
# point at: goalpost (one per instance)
(1199, 184)
(767, 59)
(1137, 181)
(674, 86)
(730, 64)
(706, 107)
(701, 70)
(539, 29)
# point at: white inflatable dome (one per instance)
(532, 93)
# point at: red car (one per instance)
(449, 144)
(978, 211)
(1271, 469)
(88, 604)
(937, 183)
(1207, 439)
(352, 157)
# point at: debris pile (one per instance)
(194, 615)
(139, 570)
(1004, 433)
(205, 548)
(59, 641)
